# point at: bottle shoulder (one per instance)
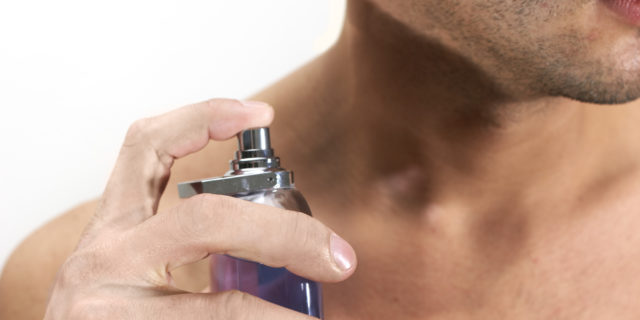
(285, 198)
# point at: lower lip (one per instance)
(628, 10)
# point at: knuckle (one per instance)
(302, 236)
(78, 269)
(218, 102)
(137, 131)
(239, 305)
(204, 213)
(89, 263)
(302, 230)
(222, 205)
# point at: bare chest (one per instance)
(583, 267)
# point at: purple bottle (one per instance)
(256, 176)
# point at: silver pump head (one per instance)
(254, 168)
(254, 139)
(254, 151)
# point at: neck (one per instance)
(426, 126)
(425, 166)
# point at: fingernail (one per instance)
(254, 104)
(342, 253)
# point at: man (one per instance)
(462, 149)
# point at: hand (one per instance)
(122, 266)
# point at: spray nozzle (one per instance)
(254, 151)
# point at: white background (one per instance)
(75, 73)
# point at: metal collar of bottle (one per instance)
(254, 168)
(238, 183)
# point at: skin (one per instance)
(460, 147)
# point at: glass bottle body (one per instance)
(276, 285)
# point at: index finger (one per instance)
(152, 144)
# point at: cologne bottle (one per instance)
(256, 176)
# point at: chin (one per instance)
(603, 82)
(602, 95)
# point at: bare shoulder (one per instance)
(31, 270)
